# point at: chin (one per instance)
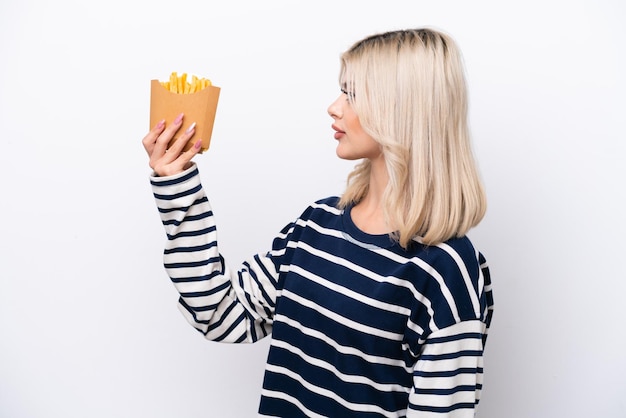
(345, 156)
(341, 153)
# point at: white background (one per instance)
(88, 322)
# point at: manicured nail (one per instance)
(178, 119)
(198, 144)
(191, 128)
(160, 124)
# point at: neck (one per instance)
(368, 214)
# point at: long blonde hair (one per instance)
(408, 89)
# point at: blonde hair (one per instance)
(408, 89)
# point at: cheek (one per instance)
(352, 120)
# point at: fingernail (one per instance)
(191, 128)
(178, 119)
(160, 124)
(198, 144)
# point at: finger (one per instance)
(149, 140)
(177, 147)
(182, 162)
(174, 160)
(163, 140)
(188, 155)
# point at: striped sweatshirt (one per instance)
(359, 326)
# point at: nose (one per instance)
(335, 110)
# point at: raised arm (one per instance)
(225, 305)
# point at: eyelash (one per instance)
(350, 95)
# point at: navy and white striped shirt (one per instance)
(360, 327)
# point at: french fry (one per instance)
(182, 85)
(182, 80)
(174, 82)
(193, 96)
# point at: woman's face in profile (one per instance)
(353, 142)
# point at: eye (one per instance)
(347, 93)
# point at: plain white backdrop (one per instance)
(88, 322)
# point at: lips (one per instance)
(338, 132)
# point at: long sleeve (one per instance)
(448, 373)
(359, 325)
(224, 305)
(447, 378)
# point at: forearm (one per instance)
(192, 260)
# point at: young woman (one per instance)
(377, 303)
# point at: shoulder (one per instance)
(317, 218)
(322, 207)
(453, 281)
(457, 253)
(328, 202)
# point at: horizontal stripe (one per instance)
(359, 325)
(292, 400)
(193, 233)
(177, 209)
(341, 376)
(350, 293)
(198, 217)
(330, 394)
(342, 349)
(175, 180)
(341, 320)
(178, 195)
(191, 249)
(444, 409)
